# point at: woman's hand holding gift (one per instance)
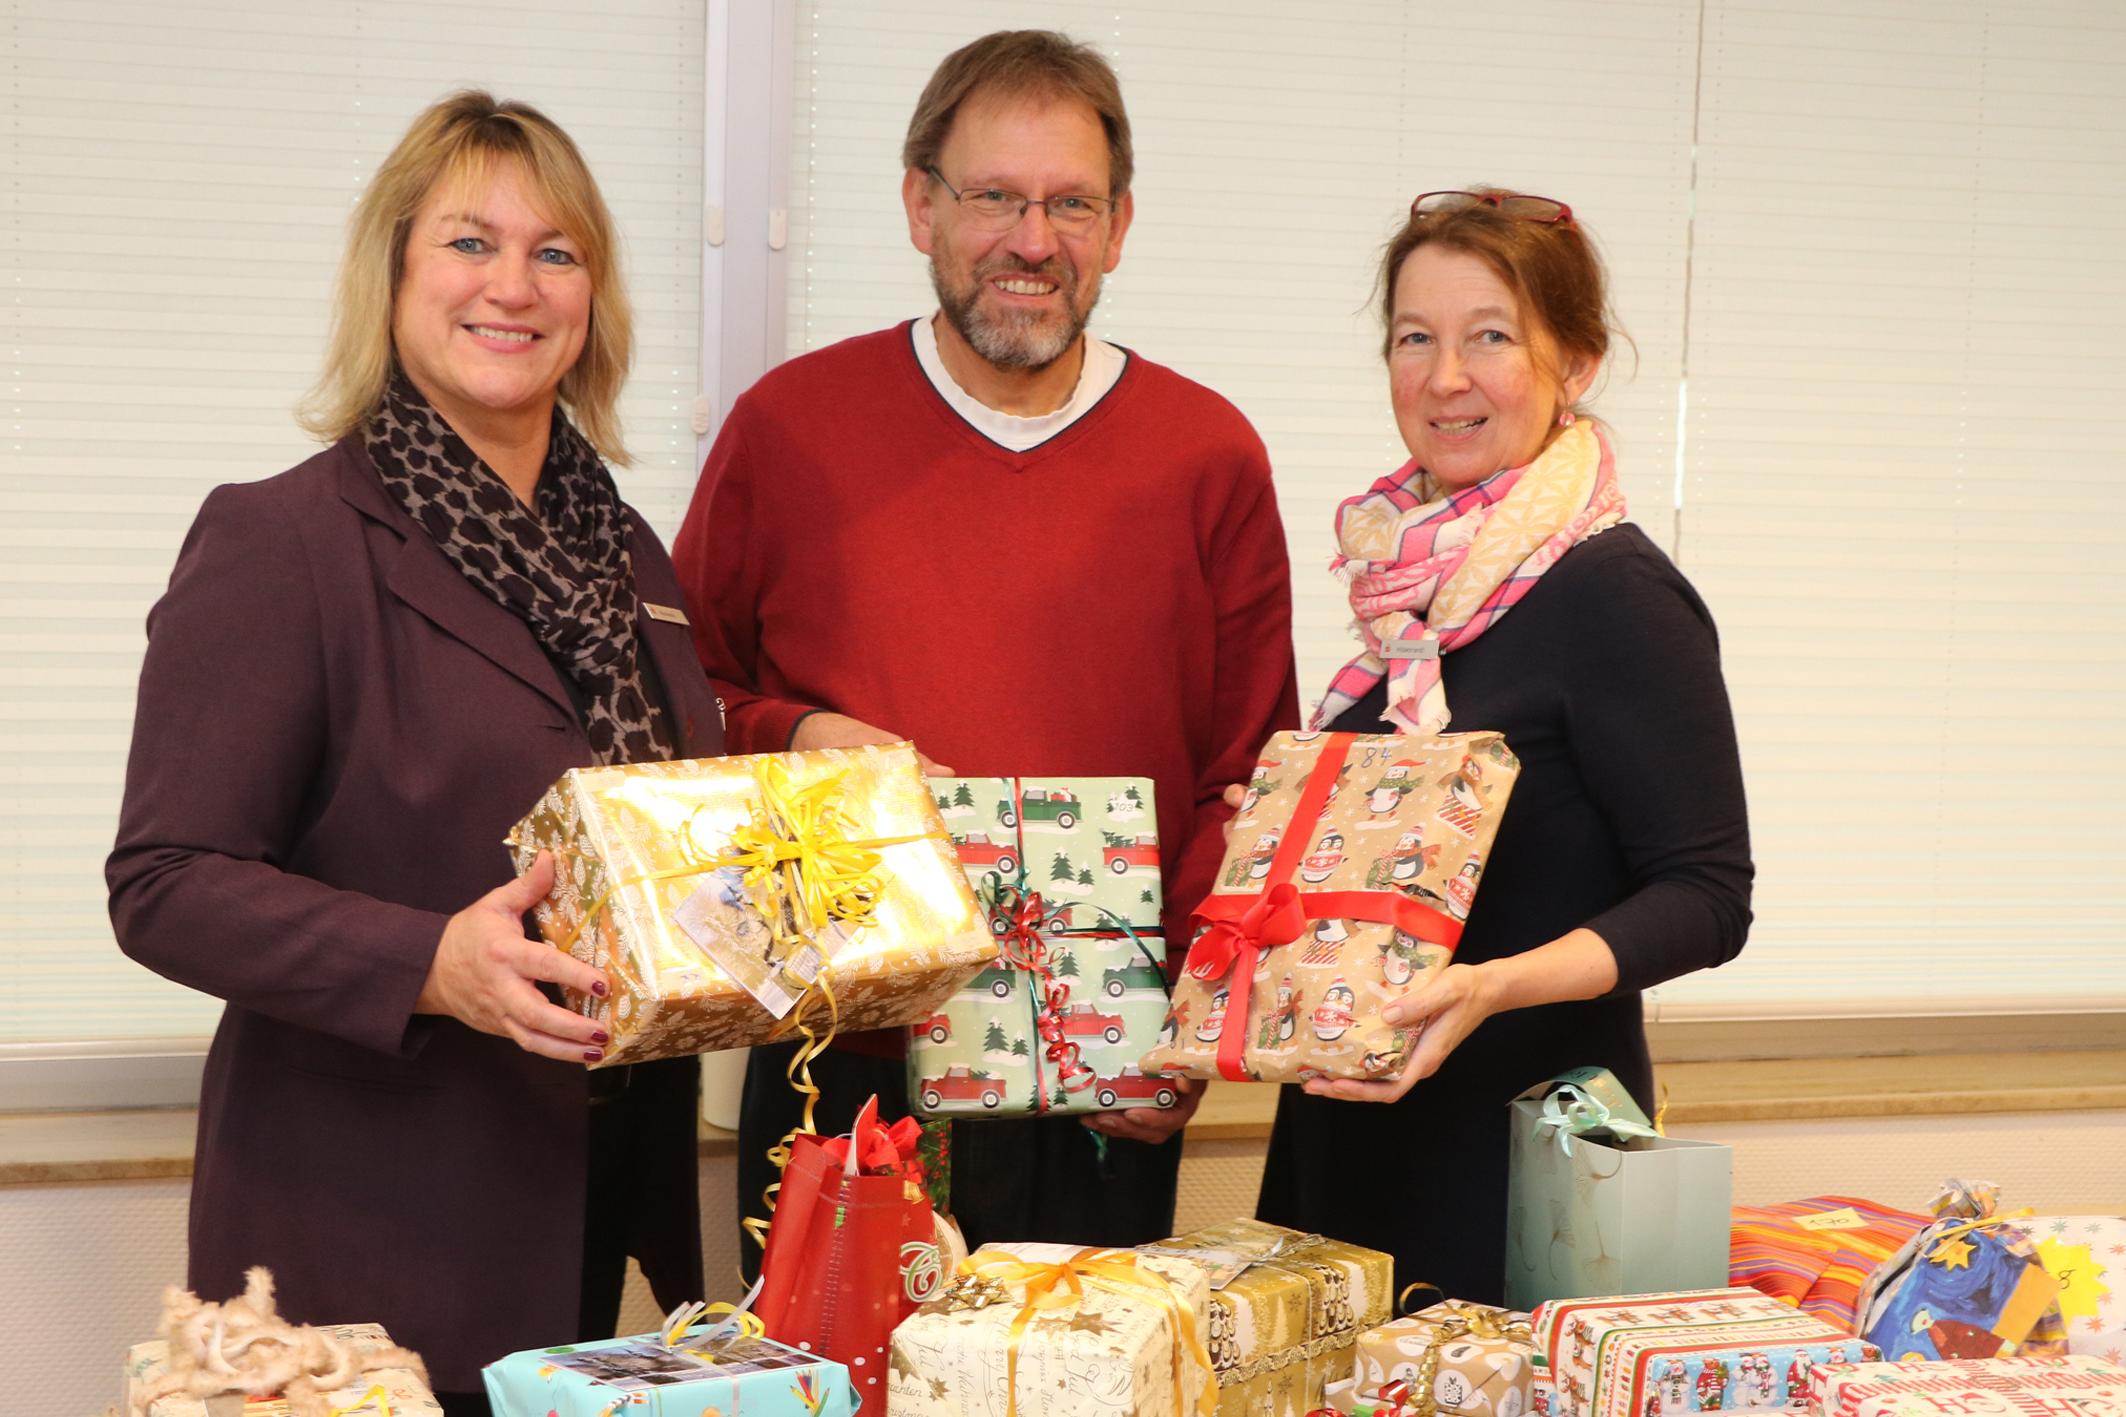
(1450, 1005)
(486, 974)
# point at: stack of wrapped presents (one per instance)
(1013, 927)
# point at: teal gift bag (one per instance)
(1599, 1203)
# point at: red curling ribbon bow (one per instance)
(1277, 918)
(1023, 946)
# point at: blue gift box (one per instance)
(643, 1376)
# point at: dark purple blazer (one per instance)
(335, 732)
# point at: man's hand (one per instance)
(1151, 1124)
(836, 730)
(1235, 796)
(485, 975)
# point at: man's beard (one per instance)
(1017, 340)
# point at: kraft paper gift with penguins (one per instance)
(1351, 866)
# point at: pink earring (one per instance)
(1566, 419)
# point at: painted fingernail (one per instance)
(598, 988)
(601, 1037)
(593, 1055)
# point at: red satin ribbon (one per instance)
(1241, 927)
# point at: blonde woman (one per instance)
(364, 670)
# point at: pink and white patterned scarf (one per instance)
(1429, 573)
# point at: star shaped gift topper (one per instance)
(2082, 1286)
(1953, 1253)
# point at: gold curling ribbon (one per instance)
(686, 1316)
(1060, 1286)
(376, 1395)
(799, 1072)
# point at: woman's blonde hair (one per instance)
(461, 142)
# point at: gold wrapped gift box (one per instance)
(705, 888)
(1285, 1326)
(1055, 1331)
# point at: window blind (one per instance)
(176, 180)
(1902, 494)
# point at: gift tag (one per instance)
(721, 918)
(1846, 1219)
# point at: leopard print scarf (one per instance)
(564, 570)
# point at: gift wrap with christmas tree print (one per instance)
(380, 1392)
(1285, 1311)
(719, 892)
(1067, 871)
(1039, 1330)
(709, 1369)
(1352, 863)
(2066, 1385)
(1481, 1359)
(1701, 1350)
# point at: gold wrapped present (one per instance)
(1455, 1359)
(717, 894)
(1050, 1330)
(1285, 1311)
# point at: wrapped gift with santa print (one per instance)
(1657, 1355)
(1351, 866)
(2069, 1385)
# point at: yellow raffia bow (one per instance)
(1941, 1251)
(1061, 1286)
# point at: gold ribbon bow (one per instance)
(1061, 1286)
(800, 850)
(795, 849)
(1460, 1321)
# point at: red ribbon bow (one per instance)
(1021, 944)
(1278, 918)
(880, 1150)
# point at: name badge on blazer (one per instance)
(665, 613)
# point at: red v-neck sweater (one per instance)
(1115, 601)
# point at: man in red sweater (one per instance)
(1027, 550)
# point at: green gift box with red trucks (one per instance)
(1067, 869)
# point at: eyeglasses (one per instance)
(1518, 205)
(999, 210)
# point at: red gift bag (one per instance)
(853, 1246)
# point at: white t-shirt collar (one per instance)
(1103, 366)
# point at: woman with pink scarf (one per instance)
(1496, 585)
